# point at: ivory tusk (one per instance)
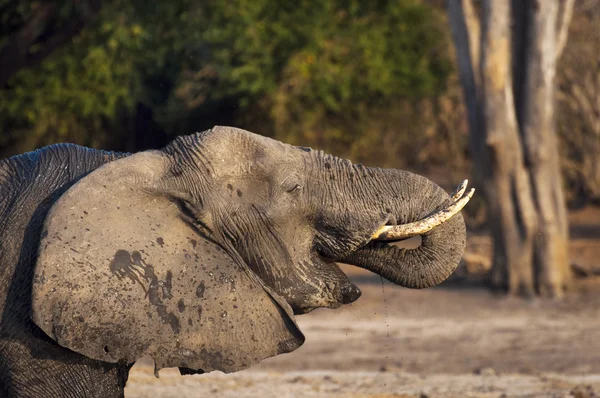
(396, 232)
(460, 190)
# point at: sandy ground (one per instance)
(455, 340)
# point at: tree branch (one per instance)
(14, 54)
(56, 41)
(17, 53)
(467, 67)
(474, 32)
(566, 11)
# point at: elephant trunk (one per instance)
(399, 197)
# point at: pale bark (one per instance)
(551, 262)
(473, 24)
(513, 137)
(566, 15)
(470, 75)
(507, 188)
(466, 64)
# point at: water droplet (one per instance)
(224, 314)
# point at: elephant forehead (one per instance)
(238, 152)
(119, 280)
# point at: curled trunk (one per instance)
(427, 265)
(395, 197)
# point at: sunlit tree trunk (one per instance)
(551, 260)
(507, 54)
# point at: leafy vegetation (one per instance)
(320, 73)
(344, 75)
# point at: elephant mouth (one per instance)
(396, 233)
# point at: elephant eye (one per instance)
(295, 188)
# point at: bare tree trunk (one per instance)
(465, 28)
(507, 187)
(510, 99)
(551, 263)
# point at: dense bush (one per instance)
(350, 77)
(361, 79)
(86, 91)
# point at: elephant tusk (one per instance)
(459, 191)
(397, 232)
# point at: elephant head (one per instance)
(201, 253)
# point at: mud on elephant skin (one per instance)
(198, 255)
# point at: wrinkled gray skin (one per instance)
(92, 284)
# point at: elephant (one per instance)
(200, 254)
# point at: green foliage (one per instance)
(337, 51)
(75, 88)
(320, 73)
(83, 90)
(318, 70)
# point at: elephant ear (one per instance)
(120, 274)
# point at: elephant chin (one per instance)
(335, 292)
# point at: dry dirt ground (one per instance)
(455, 340)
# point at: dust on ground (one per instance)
(455, 340)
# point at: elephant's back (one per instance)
(29, 185)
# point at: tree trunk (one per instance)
(507, 188)
(510, 99)
(551, 262)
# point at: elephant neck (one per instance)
(190, 171)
